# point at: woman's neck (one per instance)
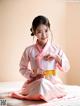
(41, 43)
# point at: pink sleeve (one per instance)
(24, 70)
(65, 63)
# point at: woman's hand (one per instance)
(57, 58)
(38, 76)
(48, 57)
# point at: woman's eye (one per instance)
(46, 30)
(38, 32)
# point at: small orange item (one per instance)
(49, 72)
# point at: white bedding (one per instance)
(72, 98)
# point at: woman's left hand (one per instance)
(48, 57)
(58, 59)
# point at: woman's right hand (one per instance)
(38, 76)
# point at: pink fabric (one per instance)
(41, 53)
(41, 88)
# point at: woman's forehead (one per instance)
(41, 27)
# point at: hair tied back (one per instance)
(32, 34)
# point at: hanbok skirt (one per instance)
(41, 89)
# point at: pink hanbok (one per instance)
(49, 86)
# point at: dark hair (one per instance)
(38, 21)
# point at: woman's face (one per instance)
(42, 33)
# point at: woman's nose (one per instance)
(43, 34)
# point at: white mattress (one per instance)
(72, 98)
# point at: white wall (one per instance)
(73, 40)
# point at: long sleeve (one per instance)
(24, 70)
(65, 66)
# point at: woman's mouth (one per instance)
(44, 38)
